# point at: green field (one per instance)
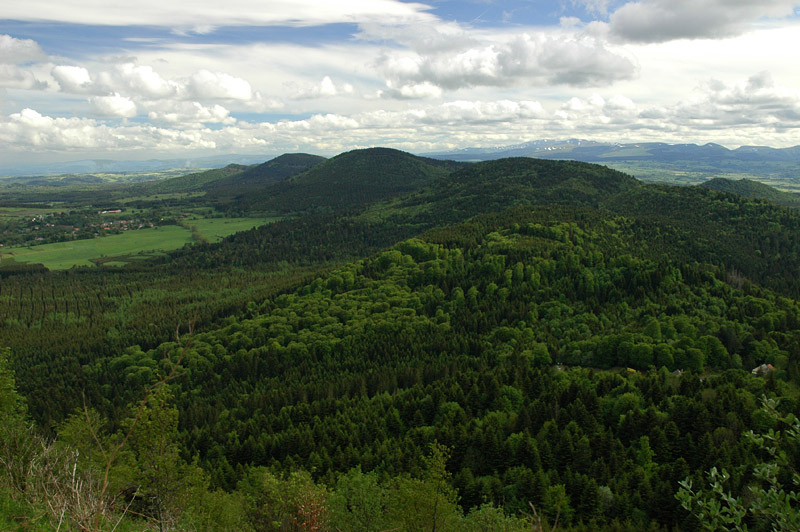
(128, 246)
(684, 173)
(17, 212)
(161, 197)
(215, 229)
(63, 255)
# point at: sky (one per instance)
(89, 79)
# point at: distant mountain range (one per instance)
(599, 152)
(91, 166)
(709, 158)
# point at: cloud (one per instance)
(14, 77)
(323, 89)
(189, 114)
(262, 104)
(582, 62)
(202, 15)
(73, 79)
(30, 130)
(754, 102)
(651, 21)
(19, 51)
(13, 54)
(478, 112)
(506, 61)
(207, 85)
(753, 111)
(140, 80)
(415, 91)
(113, 106)
(142, 83)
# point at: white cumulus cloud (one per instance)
(113, 106)
(204, 85)
(530, 58)
(15, 77)
(752, 111)
(140, 80)
(192, 114)
(143, 84)
(756, 102)
(480, 112)
(15, 57)
(30, 130)
(664, 20)
(73, 79)
(323, 89)
(755, 110)
(413, 91)
(15, 51)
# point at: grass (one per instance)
(161, 197)
(64, 255)
(17, 212)
(129, 245)
(215, 229)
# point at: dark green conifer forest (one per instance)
(416, 345)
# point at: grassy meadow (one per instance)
(128, 246)
(23, 212)
(215, 229)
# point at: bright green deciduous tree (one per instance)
(428, 504)
(277, 504)
(359, 503)
(14, 445)
(164, 480)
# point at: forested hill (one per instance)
(223, 184)
(496, 185)
(454, 338)
(753, 190)
(754, 239)
(194, 182)
(255, 178)
(352, 179)
(371, 222)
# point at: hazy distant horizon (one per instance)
(192, 161)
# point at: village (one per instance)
(61, 226)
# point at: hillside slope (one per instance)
(752, 189)
(195, 182)
(371, 224)
(754, 239)
(758, 240)
(352, 179)
(452, 338)
(258, 177)
(496, 185)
